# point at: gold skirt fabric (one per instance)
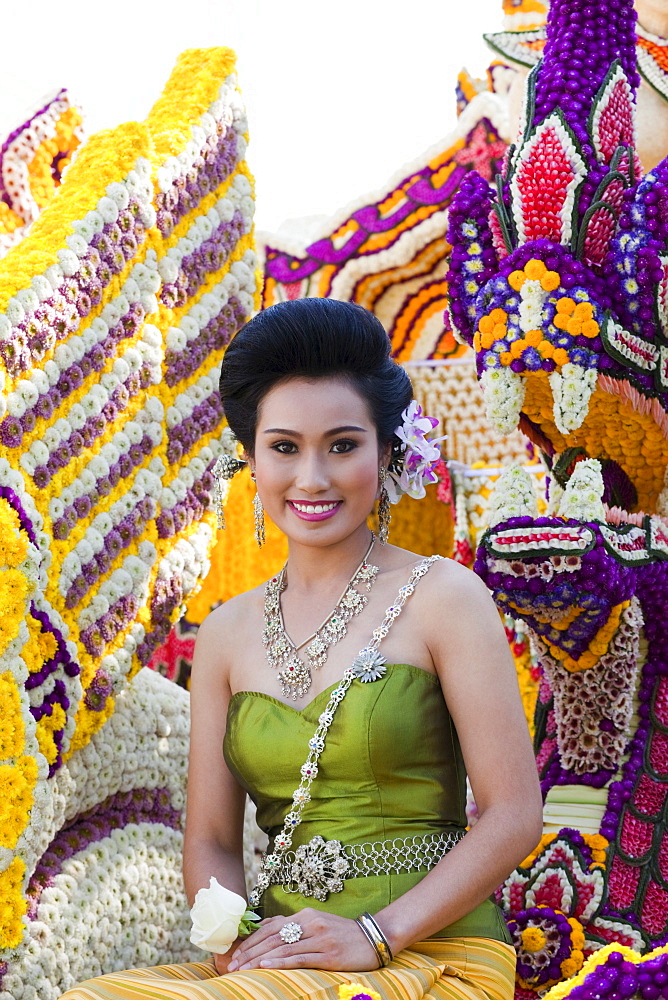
(465, 968)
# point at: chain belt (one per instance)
(319, 867)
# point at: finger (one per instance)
(254, 950)
(265, 929)
(276, 950)
(303, 960)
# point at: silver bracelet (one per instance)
(376, 938)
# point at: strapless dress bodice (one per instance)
(392, 768)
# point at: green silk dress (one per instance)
(392, 768)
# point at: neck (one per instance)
(316, 568)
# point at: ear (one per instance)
(385, 454)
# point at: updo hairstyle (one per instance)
(313, 338)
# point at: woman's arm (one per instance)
(472, 659)
(479, 681)
(215, 805)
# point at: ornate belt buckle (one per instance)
(319, 868)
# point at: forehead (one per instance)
(313, 404)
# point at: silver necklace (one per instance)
(294, 674)
(312, 876)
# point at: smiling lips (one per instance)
(315, 511)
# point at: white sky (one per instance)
(339, 94)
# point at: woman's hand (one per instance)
(327, 942)
(222, 962)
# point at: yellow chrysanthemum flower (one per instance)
(11, 885)
(533, 939)
(12, 730)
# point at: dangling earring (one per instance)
(258, 511)
(223, 470)
(384, 516)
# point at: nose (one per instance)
(312, 473)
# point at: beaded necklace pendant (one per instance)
(294, 674)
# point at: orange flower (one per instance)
(535, 269)
(533, 337)
(516, 279)
(550, 281)
(565, 305)
(583, 311)
(590, 328)
(486, 324)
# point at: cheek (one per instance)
(363, 473)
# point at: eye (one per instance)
(284, 447)
(343, 446)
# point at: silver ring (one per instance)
(290, 933)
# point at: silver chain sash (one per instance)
(319, 867)
(322, 861)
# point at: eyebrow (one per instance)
(332, 433)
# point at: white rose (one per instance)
(216, 916)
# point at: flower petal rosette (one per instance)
(549, 946)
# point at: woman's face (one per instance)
(316, 459)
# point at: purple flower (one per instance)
(41, 477)
(11, 432)
(44, 406)
(99, 691)
(60, 529)
(114, 543)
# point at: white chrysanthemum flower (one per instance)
(16, 404)
(77, 416)
(118, 193)
(108, 206)
(68, 261)
(40, 452)
(230, 284)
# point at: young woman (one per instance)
(349, 696)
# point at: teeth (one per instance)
(503, 391)
(318, 508)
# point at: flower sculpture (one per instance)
(115, 311)
(558, 282)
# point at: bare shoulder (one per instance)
(452, 596)
(219, 635)
(449, 575)
(449, 579)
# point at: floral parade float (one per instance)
(558, 281)
(115, 309)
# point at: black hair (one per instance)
(312, 338)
